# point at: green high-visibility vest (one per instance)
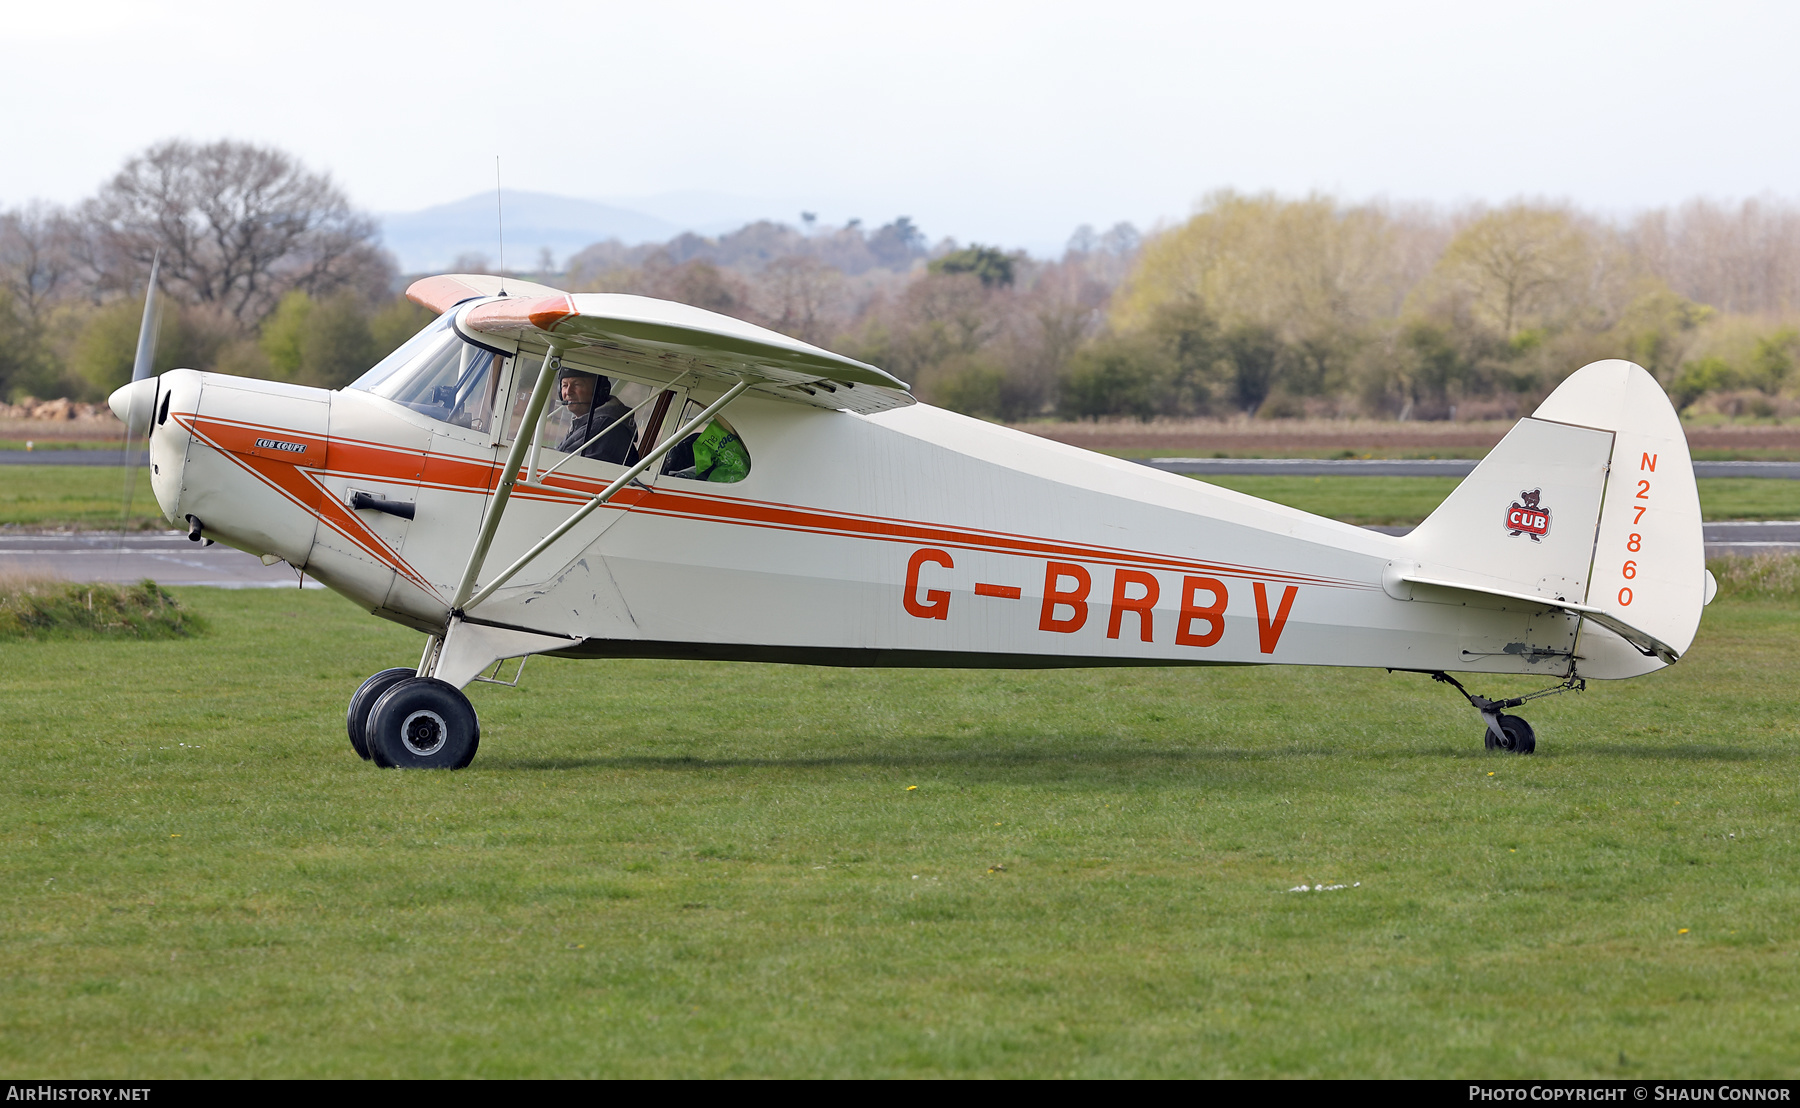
(719, 455)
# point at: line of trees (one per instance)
(1257, 305)
(1261, 305)
(267, 269)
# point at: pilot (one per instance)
(592, 408)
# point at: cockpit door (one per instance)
(554, 484)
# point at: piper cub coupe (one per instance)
(609, 476)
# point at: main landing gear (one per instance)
(399, 720)
(1506, 732)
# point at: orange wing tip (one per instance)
(546, 313)
(543, 313)
(440, 294)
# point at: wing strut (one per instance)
(648, 460)
(490, 522)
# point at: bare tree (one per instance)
(238, 226)
(1518, 262)
(1744, 260)
(39, 255)
(799, 295)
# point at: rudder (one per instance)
(1590, 504)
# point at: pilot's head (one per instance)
(580, 390)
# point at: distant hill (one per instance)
(433, 238)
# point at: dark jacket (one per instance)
(614, 446)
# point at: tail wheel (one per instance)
(1520, 738)
(423, 723)
(362, 702)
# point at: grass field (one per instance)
(672, 869)
(91, 496)
(75, 496)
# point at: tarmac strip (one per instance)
(1195, 467)
(169, 558)
(77, 457)
(166, 557)
(1405, 467)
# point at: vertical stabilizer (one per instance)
(1590, 504)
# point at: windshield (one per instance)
(437, 374)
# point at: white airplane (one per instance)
(742, 495)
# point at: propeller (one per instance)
(136, 414)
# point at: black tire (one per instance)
(362, 702)
(423, 723)
(1487, 736)
(1520, 738)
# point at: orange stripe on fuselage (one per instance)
(453, 473)
(303, 487)
(789, 518)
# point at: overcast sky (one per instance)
(997, 122)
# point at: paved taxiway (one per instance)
(170, 559)
(166, 557)
(1407, 467)
(1198, 467)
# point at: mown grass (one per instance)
(1762, 577)
(713, 869)
(1406, 500)
(71, 496)
(32, 609)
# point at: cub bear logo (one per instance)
(1525, 516)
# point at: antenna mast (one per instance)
(500, 224)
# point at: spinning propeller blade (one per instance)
(141, 408)
(146, 346)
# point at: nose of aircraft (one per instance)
(133, 403)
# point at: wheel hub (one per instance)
(424, 733)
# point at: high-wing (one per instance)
(446, 291)
(661, 341)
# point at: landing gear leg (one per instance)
(1507, 732)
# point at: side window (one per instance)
(589, 413)
(526, 368)
(714, 453)
(594, 415)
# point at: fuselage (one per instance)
(909, 537)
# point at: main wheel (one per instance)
(1520, 738)
(362, 702)
(423, 723)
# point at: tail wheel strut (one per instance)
(1508, 732)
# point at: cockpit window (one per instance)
(437, 374)
(402, 357)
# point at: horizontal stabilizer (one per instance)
(1647, 644)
